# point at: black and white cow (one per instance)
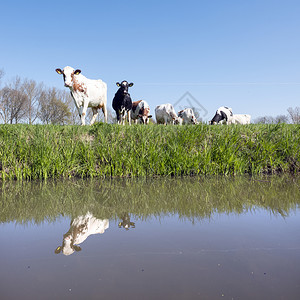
(122, 102)
(126, 222)
(222, 115)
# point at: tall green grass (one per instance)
(46, 151)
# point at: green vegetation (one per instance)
(192, 198)
(29, 152)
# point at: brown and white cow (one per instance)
(140, 111)
(80, 229)
(85, 92)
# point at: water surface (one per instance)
(190, 238)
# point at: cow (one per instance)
(126, 222)
(222, 115)
(85, 93)
(239, 119)
(80, 229)
(140, 111)
(165, 114)
(187, 115)
(122, 102)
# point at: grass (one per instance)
(192, 198)
(30, 152)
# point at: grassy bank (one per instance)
(104, 150)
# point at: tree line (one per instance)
(26, 101)
(293, 116)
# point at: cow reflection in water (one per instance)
(80, 229)
(126, 222)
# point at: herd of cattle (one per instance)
(93, 93)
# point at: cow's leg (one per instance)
(84, 110)
(95, 114)
(118, 116)
(123, 117)
(129, 117)
(79, 109)
(165, 120)
(85, 106)
(104, 110)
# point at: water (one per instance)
(189, 238)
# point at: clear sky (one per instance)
(239, 53)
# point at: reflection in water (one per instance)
(126, 223)
(80, 229)
(198, 238)
(189, 198)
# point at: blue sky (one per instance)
(242, 54)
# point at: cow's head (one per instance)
(177, 120)
(123, 86)
(145, 119)
(69, 75)
(222, 114)
(68, 246)
(144, 115)
(194, 120)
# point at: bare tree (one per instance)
(54, 107)
(294, 114)
(1, 74)
(13, 100)
(264, 120)
(271, 120)
(33, 92)
(281, 119)
(5, 104)
(2, 97)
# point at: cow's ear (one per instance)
(118, 84)
(77, 72)
(130, 84)
(59, 71)
(57, 250)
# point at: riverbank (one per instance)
(32, 152)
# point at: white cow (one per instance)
(85, 92)
(165, 114)
(140, 111)
(239, 119)
(187, 115)
(80, 229)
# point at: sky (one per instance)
(236, 53)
